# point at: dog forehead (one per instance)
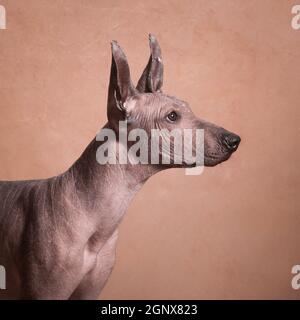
(159, 99)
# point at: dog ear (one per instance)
(120, 85)
(152, 77)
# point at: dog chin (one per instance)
(213, 161)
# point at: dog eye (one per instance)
(172, 116)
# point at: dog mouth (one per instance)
(209, 161)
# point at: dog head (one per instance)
(147, 107)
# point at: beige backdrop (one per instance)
(232, 232)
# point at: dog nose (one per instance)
(231, 141)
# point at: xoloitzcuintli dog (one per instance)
(58, 236)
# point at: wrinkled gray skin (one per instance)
(58, 236)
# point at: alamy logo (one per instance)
(2, 17)
(2, 278)
(296, 19)
(296, 278)
(181, 147)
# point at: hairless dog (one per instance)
(58, 236)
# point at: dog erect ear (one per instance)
(152, 77)
(120, 84)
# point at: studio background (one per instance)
(232, 232)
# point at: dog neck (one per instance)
(104, 192)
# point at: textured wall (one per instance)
(232, 232)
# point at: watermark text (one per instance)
(2, 17)
(296, 18)
(178, 147)
(2, 278)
